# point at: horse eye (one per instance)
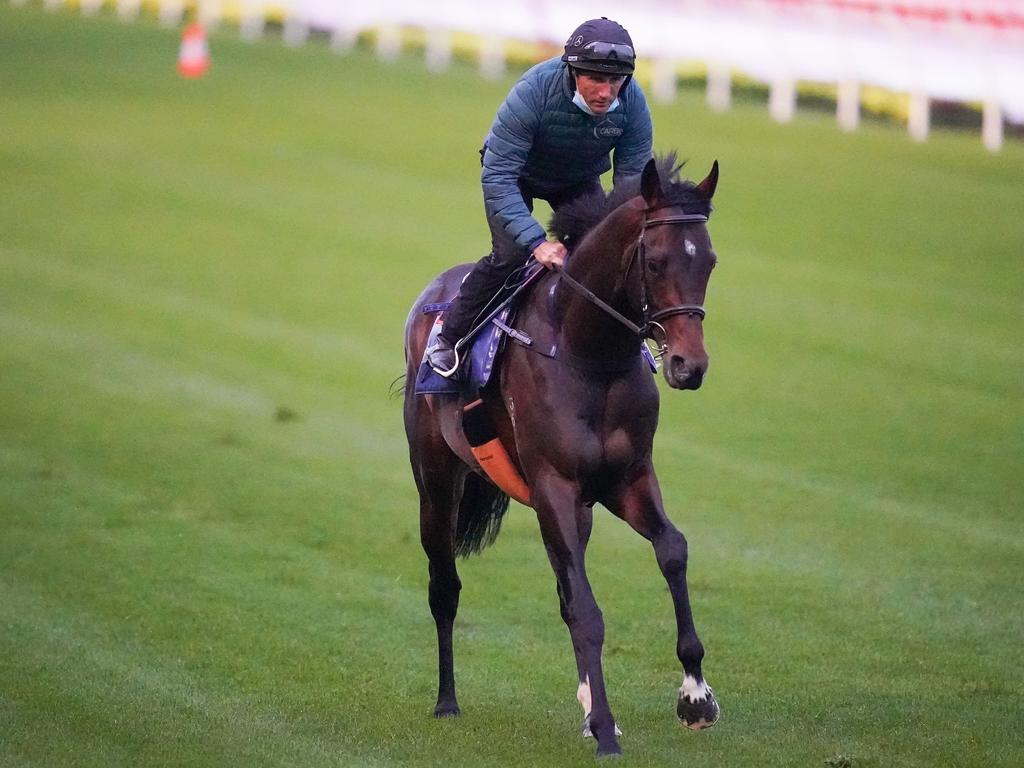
(653, 267)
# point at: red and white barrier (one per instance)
(955, 50)
(952, 50)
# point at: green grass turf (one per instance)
(208, 532)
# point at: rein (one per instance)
(649, 319)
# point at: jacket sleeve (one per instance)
(508, 145)
(633, 150)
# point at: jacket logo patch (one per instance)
(607, 130)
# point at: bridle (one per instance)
(649, 320)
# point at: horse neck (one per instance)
(599, 263)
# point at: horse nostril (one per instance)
(679, 368)
(685, 373)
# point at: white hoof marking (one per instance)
(694, 691)
(583, 696)
(588, 734)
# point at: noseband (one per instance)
(650, 320)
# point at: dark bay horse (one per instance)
(579, 422)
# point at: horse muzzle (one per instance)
(685, 373)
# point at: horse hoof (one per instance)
(611, 751)
(698, 713)
(447, 710)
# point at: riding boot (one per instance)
(442, 357)
(480, 286)
(478, 289)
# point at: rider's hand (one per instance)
(550, 254)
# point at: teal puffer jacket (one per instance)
(541, 137)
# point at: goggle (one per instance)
(605, 51)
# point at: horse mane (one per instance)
(572, 222)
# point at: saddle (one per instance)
(479, 364)
(485, 341)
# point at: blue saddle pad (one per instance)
(475, 373)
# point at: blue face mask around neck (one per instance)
(580, 102)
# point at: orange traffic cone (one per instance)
(194, 54)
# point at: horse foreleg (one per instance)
(585, 524)
(641, 506)
(565, 528)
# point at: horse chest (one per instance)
(582, 441)
(620, 448)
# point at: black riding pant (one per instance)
(506, 256)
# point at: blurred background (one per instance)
(210, 238)
(903, 57)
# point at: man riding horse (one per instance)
(551, 140)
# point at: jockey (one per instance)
(551, 140)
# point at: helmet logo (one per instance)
(578, 41)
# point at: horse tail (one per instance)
(481, 511)
(398, 386)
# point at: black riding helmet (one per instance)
(601, 45)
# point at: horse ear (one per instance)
(650, 184)
(707, 187)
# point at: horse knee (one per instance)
(443, 594)
(672, 552)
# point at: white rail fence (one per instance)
(968, 51)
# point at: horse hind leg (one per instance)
(439, 498)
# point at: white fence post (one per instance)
(992, 126)
(848, 105)
(171, 12)
(252, 22)
(343, 39)
(52, 5)
(127, 10)
(439, 50)
(492, 58)
(719, 87)
(919, 117)
(389, 43)
(209, 13)
(782, 99)
(295, 32)
(90, 7)
(663, 86)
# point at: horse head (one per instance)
(675, 261)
